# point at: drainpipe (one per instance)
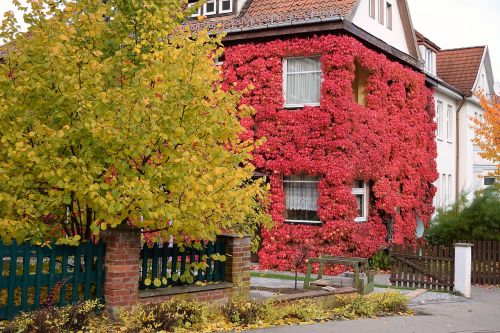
(457, 159)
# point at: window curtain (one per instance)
(303, 81)
(301, 195)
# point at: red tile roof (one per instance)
(268, 7)
(459, 67)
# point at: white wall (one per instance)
(446, 151)
(394, 37)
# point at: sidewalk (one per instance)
(479, 314)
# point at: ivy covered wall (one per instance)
(388, 143)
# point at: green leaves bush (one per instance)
(478, 220)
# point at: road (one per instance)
(479, 314)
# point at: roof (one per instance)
(266, 13)
(459, 67)
(421, 39)
(266, 7)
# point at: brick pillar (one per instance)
(238, 264)
(121, 267)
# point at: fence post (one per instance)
(463, 263)
(238, 263)
(121, 267)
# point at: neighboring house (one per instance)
(456, 76)
(347, 117)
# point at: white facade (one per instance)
(446, 103)
(377, 21)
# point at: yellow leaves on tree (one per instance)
(488, 130)
(113, 113)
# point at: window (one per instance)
(381, 9)
(301, 196)
(225, 6)
(388, 15)
(191, 4)
(438, 192)
(360, 191)
(450, 191)
(449, 123)
(444, 189)
(302, 81)
(372, 8)
(430, 61)
(439, 119)
(209, 7)
(488, 181)
(359, 84)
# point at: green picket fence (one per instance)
(166, 264)
(34, 276)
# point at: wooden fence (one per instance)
(33, 276)
(485, 262)
(165, 265)
(423, 267)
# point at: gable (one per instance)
(461, 67)
(388, 20)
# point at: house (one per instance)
(456, 76)
(347, 116)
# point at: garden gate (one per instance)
(428, 267)
(33, 276)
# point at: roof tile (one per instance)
(459, 67)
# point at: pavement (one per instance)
(435, 313)
(480, 314)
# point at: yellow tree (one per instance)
(113, 113)
(488, 130)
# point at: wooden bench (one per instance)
(358, 265)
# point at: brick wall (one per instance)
(122, 273)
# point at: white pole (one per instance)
(463, 263)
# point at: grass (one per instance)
(276, 276)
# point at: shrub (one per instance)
(72, 318)
(479, 220)
(380, 260)
(373, 305)
(165, 316)
(243, 312)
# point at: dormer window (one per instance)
(430, 61)
(225, 6)
(212, 7)
(209, 8)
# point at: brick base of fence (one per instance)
(122, 273)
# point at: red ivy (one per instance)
(389, 142)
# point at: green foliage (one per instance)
(113, 113)
(380, 260)
(478, 220)
(72, 318)
(165, 316)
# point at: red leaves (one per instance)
(390, 143)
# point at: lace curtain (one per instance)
(301, 193)
(303, 81)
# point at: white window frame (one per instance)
(439, 120)
(364, 191)
(196, 14)
(205, 12)
(372, 8)
(316, 181)
(388, 15)
(230, 10)
(449, 123)
(285, 80)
